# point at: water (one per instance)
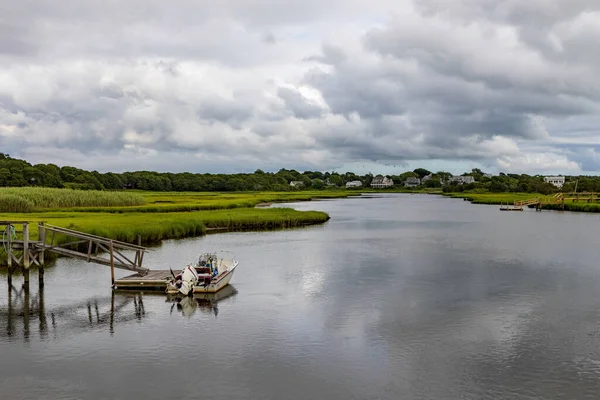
(396, 297)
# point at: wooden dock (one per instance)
(22, 252)
(153, 280)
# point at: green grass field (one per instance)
(157, 215)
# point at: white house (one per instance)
(296, 183)
(427, 178)
(412, 181)
(381, 182)
(557, 181)
(462, 179)
(353, 184)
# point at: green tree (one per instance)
(421, 172)
(318, 183)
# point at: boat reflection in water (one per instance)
(205, 302)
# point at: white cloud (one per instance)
(540, 163)
(302, 84)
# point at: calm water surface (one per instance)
(396, 297)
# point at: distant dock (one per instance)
(510, 207)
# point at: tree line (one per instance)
(15, 172)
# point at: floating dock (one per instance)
(509, 207)
(153, 280)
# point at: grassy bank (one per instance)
(159, 226)
(162, 215)
(494, 198)
(510, 198)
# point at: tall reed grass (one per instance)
(15, 203)
(27, 199)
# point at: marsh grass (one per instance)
(15, 203)
(51, 198)
(156, 227)
(159, 202)
(158, 216)
(510, 198)
(495, 198)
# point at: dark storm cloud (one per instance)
(298, 104)
(352, 90)
(331, 55)
(219, 109)
(297, 82)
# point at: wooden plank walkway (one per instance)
(153, 280)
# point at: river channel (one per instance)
(396, 297)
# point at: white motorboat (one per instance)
(211, 273)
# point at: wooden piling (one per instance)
(26, 246)
(112, 263)
(9, 250)
(42, 239)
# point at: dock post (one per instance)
(9, 251)
(42, 240)
(112, 264)
(26, 279)
(26, 256)
(139, 254)
(26, 245)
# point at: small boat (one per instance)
(211, 273)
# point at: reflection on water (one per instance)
(24, 312)
(203, 302)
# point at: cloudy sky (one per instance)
(235, 85)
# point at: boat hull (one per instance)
(218, 283)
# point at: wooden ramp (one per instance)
(21, 252)
(92, 248)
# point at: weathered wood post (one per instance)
(25, 245)
(26, 255)
(42, 240)
(9, 252)
(139, 253)
(112, 264)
